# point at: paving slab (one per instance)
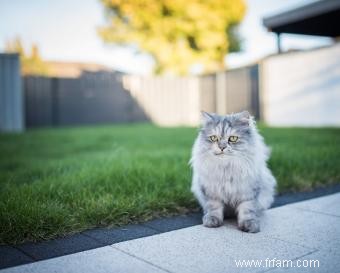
(100, 260)
(201, 249)
(63, 246)
(111, 236)
(316, 262)
(327, 205)
(10, 256)
(307, 228)
(177, 222)
(288, 233)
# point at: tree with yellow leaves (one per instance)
(177, 34)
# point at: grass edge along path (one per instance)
(56, 182)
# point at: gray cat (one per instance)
(230, 173)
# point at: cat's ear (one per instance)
(245, 117)
(206, 117)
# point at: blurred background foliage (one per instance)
(31, 63)
(177, 34)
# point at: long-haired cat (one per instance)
(230, 173)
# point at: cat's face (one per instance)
(226, 135)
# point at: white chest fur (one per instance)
(231, 180)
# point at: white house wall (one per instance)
(302, 88)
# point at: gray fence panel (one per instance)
(107, 97)
(242, 90)
(38, 101)
(91, 98)
(238, 90)
(11, 100)
(167, 101)
(231, 91)
(96, 98)
(208, 93)
(255, 96)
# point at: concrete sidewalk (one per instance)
(306, 233)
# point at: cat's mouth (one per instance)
(223, 153)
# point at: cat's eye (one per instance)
(233, 139)
(213, 138)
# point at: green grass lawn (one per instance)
(59, 181)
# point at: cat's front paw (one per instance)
(212, 221)
(250, 225)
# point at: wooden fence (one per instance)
(178, 101)
(91, 98)
(107, 97)
(166, 101)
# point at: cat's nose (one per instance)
(222, 148)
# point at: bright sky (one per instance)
(65, 30)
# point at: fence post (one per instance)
(55, 101)
(254, 82)
(221, 93)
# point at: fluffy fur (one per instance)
(231, 178)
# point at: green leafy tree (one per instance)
(176, 33)
(31, 64)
